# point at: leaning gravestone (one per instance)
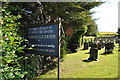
(93, 52)
(86, 46)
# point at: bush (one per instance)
(76, 40)
(11, 45)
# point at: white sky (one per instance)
(108, 16)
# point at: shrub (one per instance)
(11, 44)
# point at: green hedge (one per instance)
(11, 45)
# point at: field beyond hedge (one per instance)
(74, 66)
(107, 34)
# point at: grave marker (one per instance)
(102, 43)
(86, 46)
(109, 48)
(93, 52)
(99, 46)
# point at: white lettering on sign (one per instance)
(40, 32)
(44, 50)
(43, 45)
(39, 28)
(48, 31)
(41, 36)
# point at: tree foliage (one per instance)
(19, 16)
(92, 28)
(73, 14)
(11, 41)
(119, 33)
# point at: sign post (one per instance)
(58, 68)
(59, 51)
(45, 40)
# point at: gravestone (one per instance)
(109, 48)
(86, 46)
(112, 39)
(93, 52)
(90, 44)
(74, 48)
(112, 45)
(99, 46)
(102, 43)
(117, 41)
(96, 39)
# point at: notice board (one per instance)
(44, 39)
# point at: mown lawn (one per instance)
(73, 66)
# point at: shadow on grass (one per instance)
(87, 61)
(84, 49)
(87, 53)
(106, 53)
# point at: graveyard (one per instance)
(75, 65)
(56, 40)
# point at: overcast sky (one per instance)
(108, 16)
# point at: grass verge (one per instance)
(74, 66)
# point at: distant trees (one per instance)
(92, 29)
(119, 33)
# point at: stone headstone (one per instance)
(96, 39)
(93, 45)
(112, 45)
(99, 46)
(103, 44)
(86, 46)
(93, 54)
(109, 48)
(112, 39)
(90, 44)
(103, 39)
(74, 48)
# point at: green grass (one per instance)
(74, 67)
